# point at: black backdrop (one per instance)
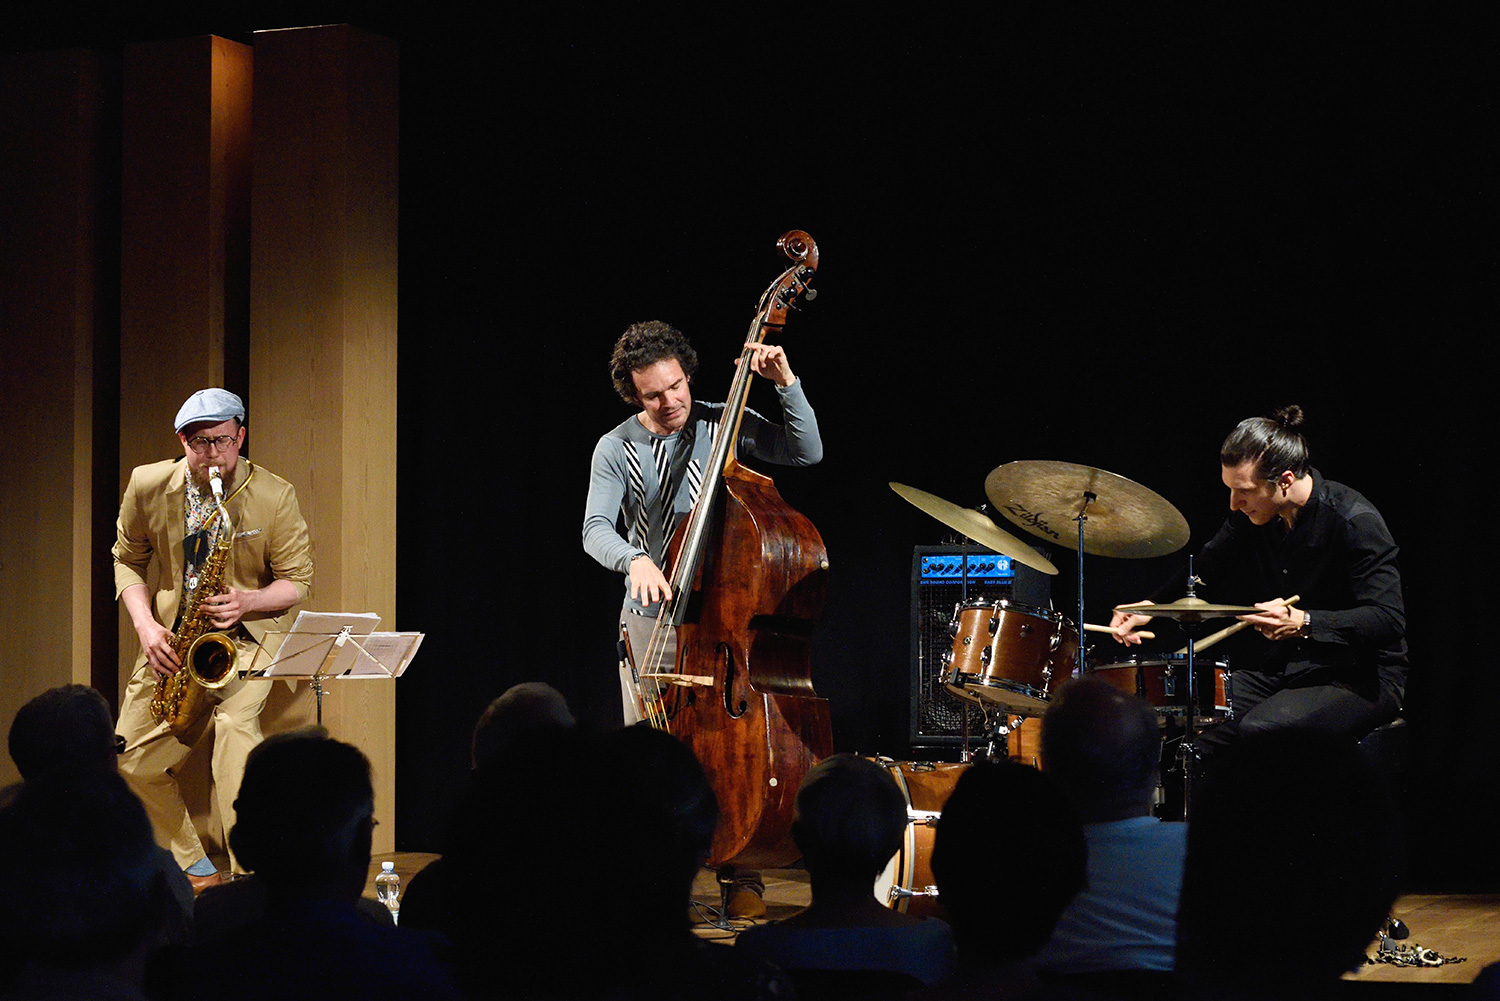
(1094, 237)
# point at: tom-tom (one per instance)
(1162, 682)
(970, 629)
(907, 884)
(1030, 652)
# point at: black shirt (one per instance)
(1340, 557)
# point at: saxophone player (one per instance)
(169, 528)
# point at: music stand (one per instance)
(323, 645)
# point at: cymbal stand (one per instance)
(1088, 498)
(1187, 751)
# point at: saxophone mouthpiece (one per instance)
(216, 481)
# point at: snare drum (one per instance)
(1030, 652)
(1163, 683)
(907, 883)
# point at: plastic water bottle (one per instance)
(388, 889)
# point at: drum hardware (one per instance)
(1123, 518)
(1191, 612)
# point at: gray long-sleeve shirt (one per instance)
(625, 514)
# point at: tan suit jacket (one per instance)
(270, 539)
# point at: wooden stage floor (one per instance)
(1451, 924)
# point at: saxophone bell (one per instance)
(210, 660)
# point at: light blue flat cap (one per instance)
(214, 406)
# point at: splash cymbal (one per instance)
(1125, 519)
(976, 526)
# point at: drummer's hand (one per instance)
(647, 583)
(770, 361)
(1124, 624)
(1279, 621)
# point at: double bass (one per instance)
(749, 578)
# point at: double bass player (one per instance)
(647, 473)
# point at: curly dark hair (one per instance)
(644, 344)
(1274, 443)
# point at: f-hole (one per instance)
(727, 655)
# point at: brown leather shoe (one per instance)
(746, 903)
(201, 883)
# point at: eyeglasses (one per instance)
(201, 444)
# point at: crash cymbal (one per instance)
(976, 526)
(1125, 519)
(1190, 609)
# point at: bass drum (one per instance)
(907, 883)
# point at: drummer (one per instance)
(1336, 661)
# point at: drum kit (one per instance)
(1009, 658)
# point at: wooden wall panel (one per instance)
(323, 332)
(50, 127)
(184, 303)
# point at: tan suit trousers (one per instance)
(152, 755)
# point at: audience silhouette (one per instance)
(1291, 868)
(1102, 748)
(303, 824)
(1009, 857)
(66, 733)
(86, 902)
(849, 820)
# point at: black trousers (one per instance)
(1313, 700)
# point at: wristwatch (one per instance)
(1306, 630)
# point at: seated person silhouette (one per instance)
(518, 751)
(1291, 870)
(848, 820)
(1102, 748)
(1009, 857)
(303, 822)
(86, 899)
(67, 732)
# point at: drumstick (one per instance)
(1089, 627)
(1229, 631)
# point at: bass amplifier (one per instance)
(942, 578)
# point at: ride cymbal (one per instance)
(1124, 519)
(975, 526)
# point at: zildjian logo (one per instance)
(1031, 519)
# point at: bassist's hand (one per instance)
(770, 361)
(647, 584)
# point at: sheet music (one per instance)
(312, 634)
(393, 650)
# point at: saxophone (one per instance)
(207, 657)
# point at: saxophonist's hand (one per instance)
(224, 610)
(156, 641)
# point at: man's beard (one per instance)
(199, 479)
